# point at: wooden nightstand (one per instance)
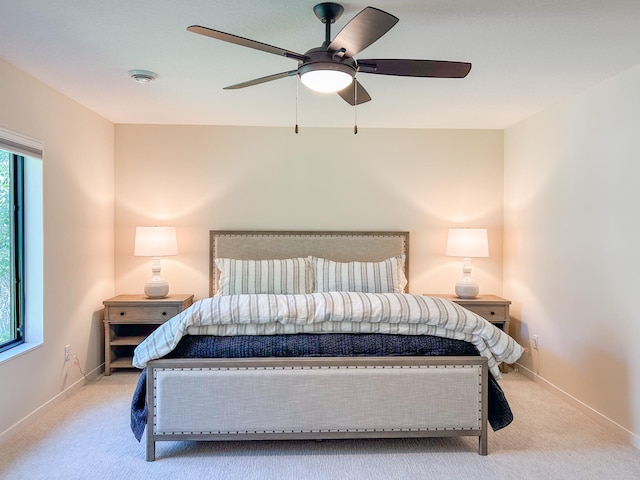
(129, 319)
(490, 307)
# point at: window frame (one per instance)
(17, 246)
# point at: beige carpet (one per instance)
(88, 437)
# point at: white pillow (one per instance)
(288, 276)
(386, 276)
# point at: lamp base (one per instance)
(467, 287)
(156, 288)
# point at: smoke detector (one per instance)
(143, 76)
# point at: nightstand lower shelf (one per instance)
(122, 362)
(132, 340)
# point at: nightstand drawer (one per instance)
(493, 313)
(142, 313)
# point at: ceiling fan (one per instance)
(332, 66)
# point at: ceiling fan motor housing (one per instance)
(320, 59)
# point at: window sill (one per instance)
(19, 350)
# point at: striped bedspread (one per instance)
(331, 312)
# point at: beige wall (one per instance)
(78, 200)
(200, 178)
(572, 220)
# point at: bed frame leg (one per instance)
(482, 445)
(151, 443)
(151, 450)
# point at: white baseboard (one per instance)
(611, 426)
(21, 425)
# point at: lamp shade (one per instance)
(155, 242)
(468, 242)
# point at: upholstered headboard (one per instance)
(336, 246)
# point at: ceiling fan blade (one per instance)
(245, 42)
(260, 80)
(362, 30)
(349, 94)
(415, 68)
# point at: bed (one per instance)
(309, 335)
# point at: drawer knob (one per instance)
(121, 314)
(164, 313)
(493, 313)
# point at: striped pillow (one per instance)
(386, 276)
(288, 276)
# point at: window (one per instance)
(11, 249)
(21, 245)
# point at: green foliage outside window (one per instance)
(5, 247)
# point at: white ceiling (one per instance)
(527, 55)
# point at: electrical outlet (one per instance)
(67, 353)
(535, 342)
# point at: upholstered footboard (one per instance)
(316, 398)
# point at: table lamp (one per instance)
(155, 242)
(467, 243)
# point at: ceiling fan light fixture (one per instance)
(326, 77)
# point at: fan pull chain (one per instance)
(355, 108)
(297, 89)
